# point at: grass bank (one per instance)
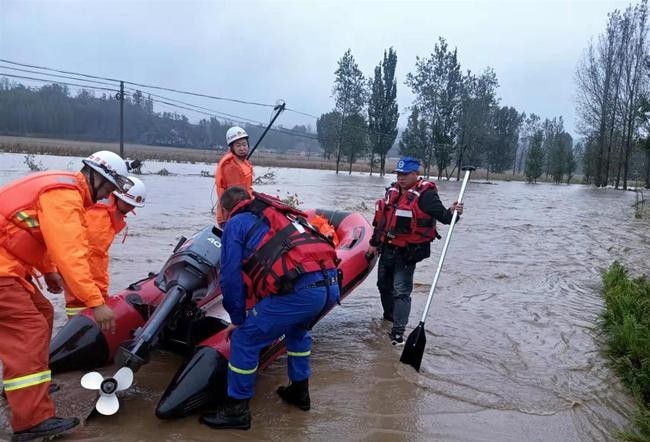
(627, 323)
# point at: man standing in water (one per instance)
(271, 255)
(405, 225)
(42, 228)
(233, 169)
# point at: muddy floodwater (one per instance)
(512, 335)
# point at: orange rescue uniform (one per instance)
(103, 222)
(232, 171)
(42, 228)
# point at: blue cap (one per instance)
(407, 165)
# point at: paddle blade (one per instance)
(414, 347)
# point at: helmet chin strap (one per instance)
(93, 189)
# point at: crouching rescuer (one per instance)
(279, 266)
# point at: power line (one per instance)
(58, 76)
(83, 86)
(169, 90)
(212, 111)
(201, 95)
(302, 113)
(196, 94)
(57, 70)
(281, 131)
(163, 100)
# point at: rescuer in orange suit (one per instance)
(233, 168)
(104, 221)
(42, 229)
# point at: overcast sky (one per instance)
(265, 50)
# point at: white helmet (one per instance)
(234, 134)
(136, 195)
(111, 166)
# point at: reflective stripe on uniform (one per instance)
(73, 311)
(404, 213)
(240, 370)
(25, 218)
(298, 353)
(27, 381)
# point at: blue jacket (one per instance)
(233, 251)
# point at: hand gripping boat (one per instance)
(179, 309)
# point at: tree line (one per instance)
(613, 101)
(54, 111)
(455, 119)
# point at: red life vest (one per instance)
(290, 248)
(18, 206)
(399, 219)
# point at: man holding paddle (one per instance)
(405, 224)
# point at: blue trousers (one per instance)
(290, 315)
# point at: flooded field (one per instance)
(513, 337)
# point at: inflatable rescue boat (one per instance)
(179, 309)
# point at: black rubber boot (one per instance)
(47, 428)
(297, 393)
(235, 415)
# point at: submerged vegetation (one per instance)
(627, 323)
(34, 166)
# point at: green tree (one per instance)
(535, 160)
(350, 94)
(354, 138)
(478, 102)
(414, 138)
(327, 129)
(504, 139)
(437, 85)
(572, 161)
(383, 112)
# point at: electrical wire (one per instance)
(169, 90)
(58, 76)
(84, 86)
(214, 97)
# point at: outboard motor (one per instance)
(194, 266)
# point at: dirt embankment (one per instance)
(52, 146)
(160, 153)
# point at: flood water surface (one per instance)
(513, 337)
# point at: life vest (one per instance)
(232, 171)
(118, 220)
(324, 227)
(399, 219)
(18, 207)
(290, 248)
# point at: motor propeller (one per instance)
(108, 404)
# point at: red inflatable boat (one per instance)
(179, 309)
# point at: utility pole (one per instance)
(121, 98)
